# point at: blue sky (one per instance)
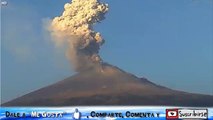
(168, 42)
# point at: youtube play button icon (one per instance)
(171, 114)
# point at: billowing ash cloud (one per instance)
(74, 28)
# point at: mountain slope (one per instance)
(108, 85)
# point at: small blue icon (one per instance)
(3, 3)
(76, 115)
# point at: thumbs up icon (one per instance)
(77, 115)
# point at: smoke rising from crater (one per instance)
(74, 28)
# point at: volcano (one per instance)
(108, 85)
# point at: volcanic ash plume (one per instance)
(74, 29)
